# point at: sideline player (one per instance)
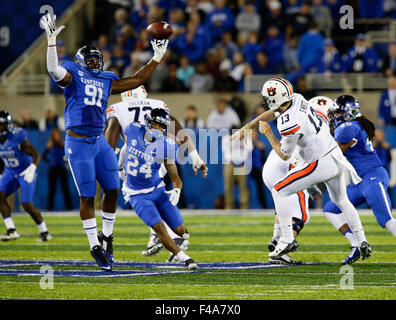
(301, 128)
(20, 160)
(134, 106)
(147, 148)
(87, 88)
(354, 134)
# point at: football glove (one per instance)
(28, 173)
(198, 163)
(122, 174)
(174, 196)
(159, 47)
(48, 23)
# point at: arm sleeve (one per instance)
(57, 72)
(121, 158)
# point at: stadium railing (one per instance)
(326, 81)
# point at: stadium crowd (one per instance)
(216, 43)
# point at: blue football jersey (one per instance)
(143, 160)
(15, 160)
(362, 154)
(86, 99)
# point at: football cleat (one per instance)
(283, 260)
(353, 256)
(182, 244)
(190, 264)
(284, 247)
(365, 250)
(102, 258)
(44, 236)
(153, 247)
(272, 245)
(10, 235)
(107, 244)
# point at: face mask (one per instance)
(154, 134)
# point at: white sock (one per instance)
(9, 223)
(351, 238)
(42, 227)
(171, 233)
(352, 218)
(283, 211)
(90, 229)
(108, 220)
(277, 231)
(181, 256)
(152, 232)
(391, 227)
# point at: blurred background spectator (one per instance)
(383, 149)
(332, 58)
(185, 71)
(191, 120)
(55, 150)
(171, 83)
(387, 105)
(51, 121)
(201, 81)
(237, 155)
(248, 20)
(389, 64)
(26, 120)
(223, 116)
(360, 58)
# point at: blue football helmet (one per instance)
(159, 116)
(348, 107)
(6, 119)
(87, 52)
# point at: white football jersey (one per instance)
(300, 126)
(133, 110)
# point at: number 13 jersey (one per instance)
(302, 127)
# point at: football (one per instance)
(159, 30)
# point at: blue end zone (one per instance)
(10, 268)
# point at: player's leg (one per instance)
(228, 171)
(337, 219)
(337, 193)
(174, 221)
(81, 155)
(145, 207)
(27, 194)
(375, 192)
(107, 175)
(8, 185)
(297, 179)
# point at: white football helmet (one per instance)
(275, 92)
(137, 93)
(322, 104)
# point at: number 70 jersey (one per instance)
(133, 110)
(302, 126)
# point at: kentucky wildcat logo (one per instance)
(271, 91)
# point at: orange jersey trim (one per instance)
(290, 131)
(296, 176)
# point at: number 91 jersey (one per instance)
(133, 110)
(86, 99)
(302, 126)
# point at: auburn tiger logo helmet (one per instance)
(322, 105)
(275, 92)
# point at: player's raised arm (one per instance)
(58, 73)
(144, 74)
